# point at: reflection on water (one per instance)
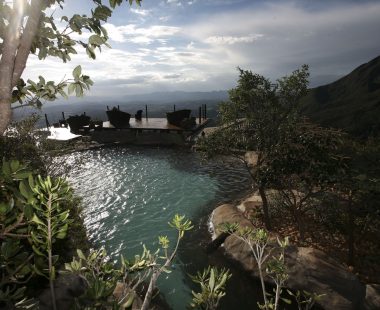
(130, 194)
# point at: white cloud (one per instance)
(332, 41)
(164, 18)
(135, 34)
(165, 49)
(175, 2)
(229, 40)
(272, 40)
(141, 12)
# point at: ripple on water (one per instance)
(130, 194)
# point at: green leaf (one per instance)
(37, 250)
(36, 220)
(129, 302)
(3, 208)
(212, 280)
(77, 72)
(78, 90)
(42, 80)
(96, 40)
(22, 175)
(62, 232)
(25, 190)
(90, 52)
(72, 88)
(80, 254)
(15, 165)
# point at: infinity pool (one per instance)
(130, 194)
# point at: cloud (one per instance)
(332, 40)
(202, 51)
(233, 40)
(140, 35)
(140, 12)
(175, 2)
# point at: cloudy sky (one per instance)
(196, 45)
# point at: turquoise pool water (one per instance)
(130, 194)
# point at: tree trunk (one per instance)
(7, 62)
(265, 208)
(15, 53)
(149, 293)
(5, 111)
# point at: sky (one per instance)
(196, 45)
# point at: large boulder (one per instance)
(309, 269)
(372, 297)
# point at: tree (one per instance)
(258, 117)
(25, 28)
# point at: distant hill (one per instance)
(177, 96)
(351, 103)
(158, 104)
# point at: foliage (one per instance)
(265, 118)
(22, 143)
(28, 27)
(50, 220)
(305, 300)
(32, 219)
(259, 243)
(259, 116)
(269, 256)
(101, 276)
(350, 103)
(302, 180)
(182, 225)
(15, 257)
(354, 198)
(213, 282)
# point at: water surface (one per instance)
(130, 195)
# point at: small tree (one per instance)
(101, 276)
(50, 221)
(213, 285)
(258, 117)
(269, 263)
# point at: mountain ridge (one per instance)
(351, 103)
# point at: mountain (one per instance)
(351, 103)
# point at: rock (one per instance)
(372, 297)
(67, 287)
(309, 269)
(251, 158)
(119, 292)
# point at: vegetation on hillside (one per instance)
(352, 103)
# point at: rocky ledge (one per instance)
(309, 269)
